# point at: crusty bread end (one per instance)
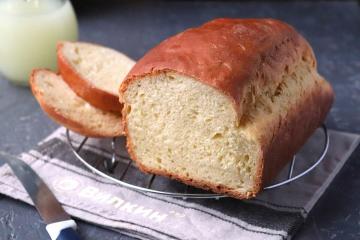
(94, 72)
(63, 106)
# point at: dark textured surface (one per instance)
(133, 27)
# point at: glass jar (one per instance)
(29, 32)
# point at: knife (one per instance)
(59, 225)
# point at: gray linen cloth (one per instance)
(275, 214)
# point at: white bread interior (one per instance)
(185, 129)
(103, 67)
(65, 107)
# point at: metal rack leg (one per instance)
(110, 164)
(151, 181)
(126, 169)
(291, 169)
(81, 144)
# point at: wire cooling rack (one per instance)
(147, 186)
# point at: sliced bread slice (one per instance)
(94, 72)
(63, 106)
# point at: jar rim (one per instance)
(10, 7)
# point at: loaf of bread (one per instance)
(94, 72)
(224, 106)
(63, 106)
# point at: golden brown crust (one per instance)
(237, 56)
(83, 88)
(60, 119)
(294, 130)
(226, 54)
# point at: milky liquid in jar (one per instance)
(29, 31)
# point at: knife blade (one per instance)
(59, 224)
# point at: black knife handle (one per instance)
(68, 234)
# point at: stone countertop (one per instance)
(133, 27)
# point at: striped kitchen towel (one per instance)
(275, 214)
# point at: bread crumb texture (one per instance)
(185, 128)
(103, 67)
(58, 95)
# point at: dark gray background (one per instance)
(333, 29)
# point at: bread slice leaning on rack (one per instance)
(63, 106)
(94, 72)
(224, 106)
